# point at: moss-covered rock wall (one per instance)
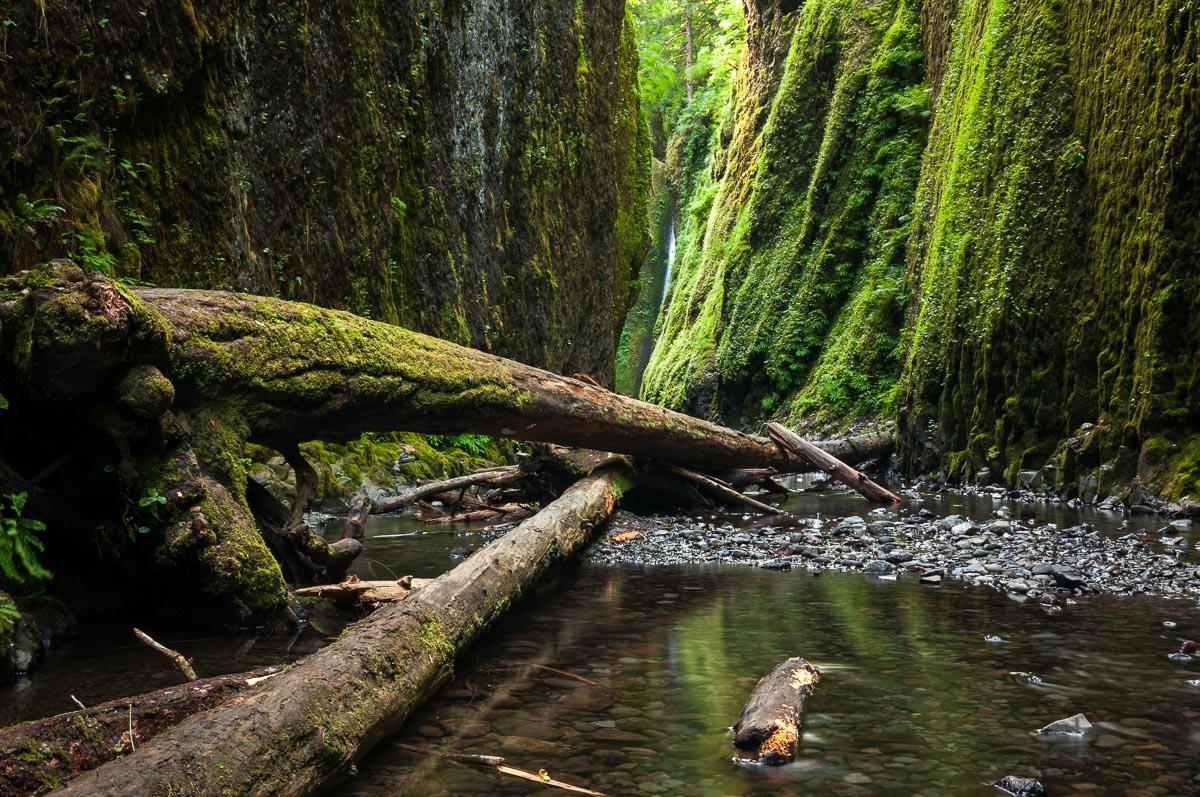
(472, 170)
(637, 335)
(976, 216)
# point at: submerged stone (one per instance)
(1075, 725)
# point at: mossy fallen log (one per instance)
(302, 731)
(43, 754)
(164, 388)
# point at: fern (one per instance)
(19, 541)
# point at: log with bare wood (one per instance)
(769, 729)
(722, 490)
(502, 475)
(839, 470)
(854, 449)
(81, 740)
(302, 731)
(178, 659)
(364, 593)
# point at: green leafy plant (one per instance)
(474, 444)
(19, 541)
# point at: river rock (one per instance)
(1020, 787)
(1075, 725)
(1067, 577)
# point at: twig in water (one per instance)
(498, 764)
(78, 702)
(579, 678)
(182, 662)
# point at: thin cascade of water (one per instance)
(666, 284)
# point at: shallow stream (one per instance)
(913, 699)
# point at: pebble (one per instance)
(1044, 562)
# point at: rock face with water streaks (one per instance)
(475, 171)
(976, 218)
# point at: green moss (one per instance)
(795, 256)
(1026, 272)
(393, 459)
(160, 149)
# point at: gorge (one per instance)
(264, 266)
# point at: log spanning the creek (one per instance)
(164, 388)
(839, 470)
(302, 731)
(768, 732)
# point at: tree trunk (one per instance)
(769, 729)
(858, 448)
(688, 53)
(414, 494)
(301, 731)
(723, 490)
(178, 381)
(839, 470)
(44, 753)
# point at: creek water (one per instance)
(913, 699)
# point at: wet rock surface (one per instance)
(1042, 561)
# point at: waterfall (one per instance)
(666, 283)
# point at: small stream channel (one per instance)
(913, 700)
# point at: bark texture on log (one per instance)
(297, 372)
(855, 479)
(769, 729)
(858, 448)
(414, 494)
(300, 732)
(723, 490)
(43, 753)
(178, 381)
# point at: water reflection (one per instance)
(913, 701)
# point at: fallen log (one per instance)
(768, 732)
(741, 478)
(723, 490)
(302, 731)
(858, 448)
(41, 754)
(839, 470)
(177, 382)
(364, 593)
(413, 494)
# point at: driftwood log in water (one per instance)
(164, 388)
(769, 729)
(302, 731)
(839, 470)
(42, 754)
